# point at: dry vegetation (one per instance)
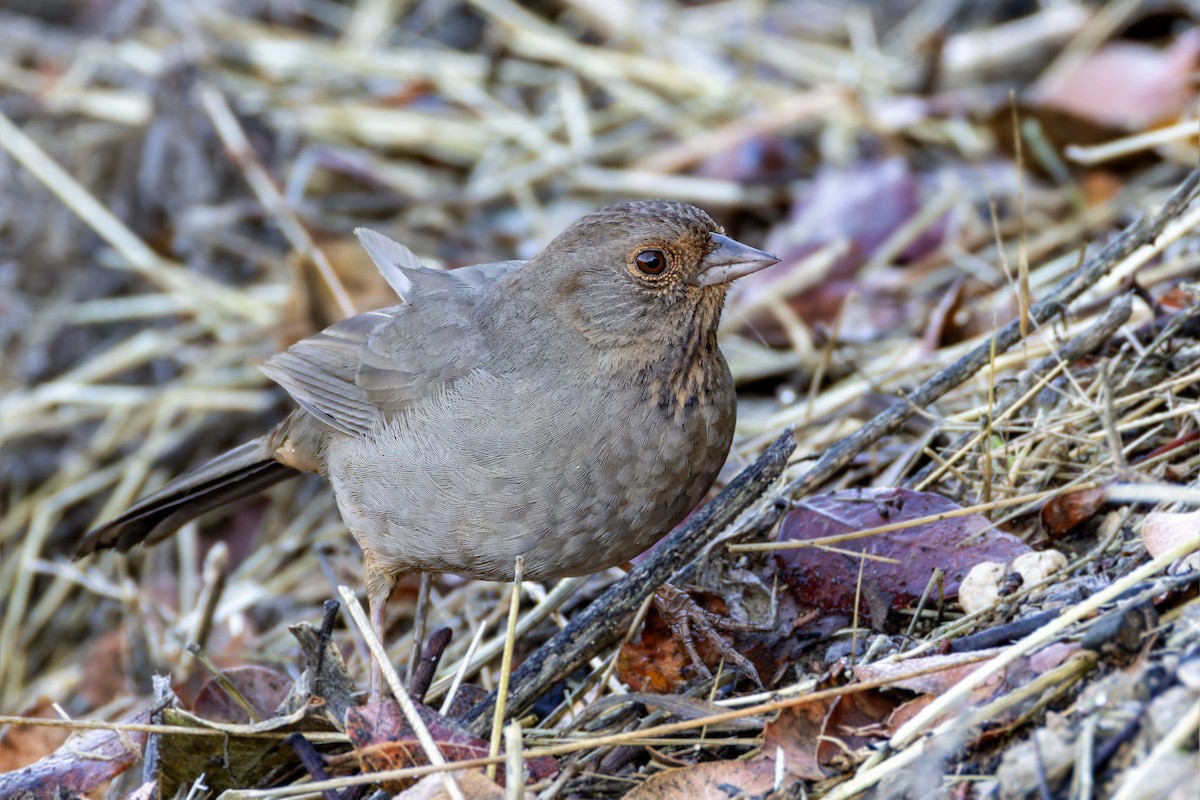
(180, 184)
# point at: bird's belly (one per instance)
(465, 487)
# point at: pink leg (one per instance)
(376, 605)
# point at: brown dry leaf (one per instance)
(1063, 513)
(855, 721)
(829, 580)
(736, 778)
(796, 734)
(1163, 531)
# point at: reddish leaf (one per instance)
(654, 662)
(828, 580)
(1063, 513)
(1126, 84)
(385, 741)
(264, 689)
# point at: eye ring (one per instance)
(651, 261)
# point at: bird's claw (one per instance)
(688, 620)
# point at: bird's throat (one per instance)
(693, 371)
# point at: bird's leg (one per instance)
(688, 621)
(376, 605)
(379, 589)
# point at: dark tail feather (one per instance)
(238, 473)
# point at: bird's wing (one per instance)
(372, 365)
(318, 372)
(416, 354)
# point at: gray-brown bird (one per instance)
(570, 409)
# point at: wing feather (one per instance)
(374, 365)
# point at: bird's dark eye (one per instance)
(651, 262)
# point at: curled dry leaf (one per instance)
(829, 580)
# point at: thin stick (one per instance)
(418, 636)
(514, 769)
(393, 681)
(462, 669)
(510, 635)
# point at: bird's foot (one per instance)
(688, 621)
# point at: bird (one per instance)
(570, 409)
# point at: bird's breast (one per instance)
(576, 476)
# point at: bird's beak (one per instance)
(730, 260)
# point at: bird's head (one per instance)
(643, 271)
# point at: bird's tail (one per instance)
(233, 475)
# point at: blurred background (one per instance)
(181, 179)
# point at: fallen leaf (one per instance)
(1126, 84)
(237, 760)
(472, 783)
(855, 721)
(82, 764)
(264, 689)
(22, 745)
(795, 735)
(927, 674)
(654, 662)
(384, 741)
(1163, 531)
(830, 580)
(733, 778)
(1064, 513)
